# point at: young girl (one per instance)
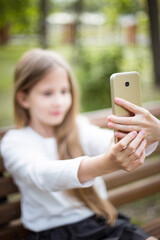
(57, 159)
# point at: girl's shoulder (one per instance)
(82, 121)
(85, 125)
(89, 130)
(14, 132)
(94, 140)
(17, 135)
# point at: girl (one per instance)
(57, 159)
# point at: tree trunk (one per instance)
(43, 23)
(78, 8)
(155, 37)
(4, 34)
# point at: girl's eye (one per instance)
(47, 93)
(64, 91)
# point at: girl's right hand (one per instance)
(128, 154)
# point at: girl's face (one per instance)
(49, 101)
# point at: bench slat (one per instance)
(13, 232)
(1, 164)
(7, 186)
(120, 178)
(153, 227)
(137, 190)
(9, 211)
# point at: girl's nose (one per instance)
(57, 100)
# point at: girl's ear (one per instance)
(22, 99)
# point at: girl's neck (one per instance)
(44, 131)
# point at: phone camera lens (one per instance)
(127, 84)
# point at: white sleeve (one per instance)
(94, 140)
(34, 168)
(151, 148)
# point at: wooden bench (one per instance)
(122, 187)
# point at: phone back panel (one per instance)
(127, 86)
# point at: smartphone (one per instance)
(125, 85)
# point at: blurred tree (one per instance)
(155, 37)
(94, 5)
(78, 8)
(43, 12)
(122, 7)
(94, 71)
(24, 17)
(129, 6)
(17, 17)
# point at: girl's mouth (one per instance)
(57, 113)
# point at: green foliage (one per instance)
(113, 8)
(22, 16)
(9, 57)
(94, 73)
(19, 15)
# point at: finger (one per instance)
(128, 105)
(137, 163)
(136, 155)
(124, 128)
(121, 145)
(143, 156)
(120, 135)
(141, 159)
(134, 146)
(122, 120)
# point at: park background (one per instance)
(98, 38)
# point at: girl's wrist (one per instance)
(93, 167)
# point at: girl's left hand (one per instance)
(142, 119)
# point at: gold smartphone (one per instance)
(125, 85)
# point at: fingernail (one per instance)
(117, 100)
(142, 132)
(134, 132)
(109, 124)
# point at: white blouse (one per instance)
(42, 178)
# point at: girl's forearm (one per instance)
(93, 167)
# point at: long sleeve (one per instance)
(94, 139)
(23, 160)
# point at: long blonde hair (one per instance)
(31, 68)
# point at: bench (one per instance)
(122, 187)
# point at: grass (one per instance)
(9, 56)
(143, 210)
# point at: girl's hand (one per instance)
(142, 119)
(128, 153)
